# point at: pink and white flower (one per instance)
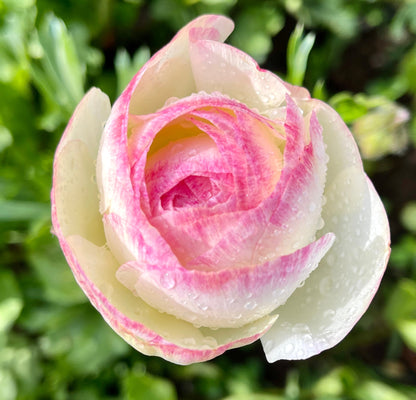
(215, 204)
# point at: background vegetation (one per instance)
(53, 345)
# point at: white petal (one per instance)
(75, 195)
(146, 329)
(168, 73)
(87, 122)
(218, 67)
(338, 292)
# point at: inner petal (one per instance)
(185, 173)
(191, 191)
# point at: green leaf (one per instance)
(335, 383)
(298, 50)
(253, 396)
(401, 311)
(57, 71)
(11, 302)
(254, 28)
(376, 390)
(80, 339)
(408, 216)
(8, 387)
(137, 386)
(403, 254)
(126, 67)
(15, 210)
(6, 138)
(50, 266)
(22, 362)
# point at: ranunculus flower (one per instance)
(215, 204)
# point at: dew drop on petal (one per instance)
(167, 280)
(325, 286)
(268, 346)
(329, 313)
(321, 224)
(203, 307)
(300, 328)
(250, 305)
(210, 341)
(289, 347)
(188, 342)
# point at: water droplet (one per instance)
(203, 307)
(189, 342)
(296, 245)
(312, 207)
(210, 341)
(329, 313)
(325, 286)
(300, 328)
(299, 354)
(250, 305)
(268, 346)
(167, 280)
(289, 347)
(321, 224)
(330, 259)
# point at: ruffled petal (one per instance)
(149, 89)
(74, 193)
(289, 218)
(253, 160)
(222, 68)
(321, 313)
(228, 298)
(143, 327)
(87, 122)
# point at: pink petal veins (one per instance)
(226, 298)
(143, 327)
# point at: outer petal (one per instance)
(323, 311)
(226, 298)
(87, 122)
(146, 329)
(74, 194)
(218, 67)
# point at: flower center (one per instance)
(197, 190)
(191, 191)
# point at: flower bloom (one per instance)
(215, 204)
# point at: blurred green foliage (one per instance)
(359, 55)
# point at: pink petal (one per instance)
(278, 225)
(227, 298)
(143, 327)
(148, 90)
(255, 164)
